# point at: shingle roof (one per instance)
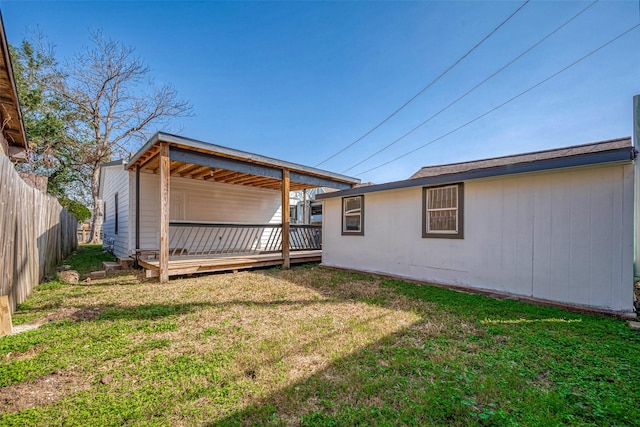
(614, 150)
(557, 153)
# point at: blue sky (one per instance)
(300, 80)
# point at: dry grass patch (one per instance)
(41, 391)
(307, 346)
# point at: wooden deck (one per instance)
(180, 265)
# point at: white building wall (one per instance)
(563, 236)
(202, 201)
(116, 181)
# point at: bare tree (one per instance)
(116, 106)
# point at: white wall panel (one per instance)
(562, 236)
(205, 201)
(116, 181)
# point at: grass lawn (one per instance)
(309, 346)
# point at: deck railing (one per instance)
(200, 238)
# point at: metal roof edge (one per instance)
(113, 163)
(620, 154)
(193, 143)
(176, 139)
(144, 148)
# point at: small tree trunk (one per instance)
(96, 221)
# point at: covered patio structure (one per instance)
(190, 241)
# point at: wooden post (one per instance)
(6, 327)
(286, 262)
(165, 165)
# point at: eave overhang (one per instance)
(200, 160)
(623, 154)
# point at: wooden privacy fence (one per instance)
(36, 233)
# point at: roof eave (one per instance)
(617, 155)
(21, 140)
(238, 154)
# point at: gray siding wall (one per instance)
(564, 236)
(116, 180)
(195, 200)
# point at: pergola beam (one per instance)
(217, 162)
(286, 262)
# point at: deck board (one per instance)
(180, 265)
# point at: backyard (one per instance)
(307, 346)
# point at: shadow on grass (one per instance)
(449, 367)
(157, 311)
(102, 312)
(516, 364)
(387, 383)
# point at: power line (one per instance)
(475, 87)
(503, 104)
(427, 86)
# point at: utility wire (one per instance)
(474, 88)
(504, 103)
(427, 86)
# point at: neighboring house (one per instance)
(13, 140)
(554, 225)
(304, 207)
(184, 206)
(35, 231)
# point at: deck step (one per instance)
(108, 266)
(125, 263)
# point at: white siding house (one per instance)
(555, 226)
(190, 201)
(218, 202)
(114, 194)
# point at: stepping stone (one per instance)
(108, 266)
(98, 274)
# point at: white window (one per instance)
(353, 215)
(443, 212)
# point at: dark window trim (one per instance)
(433, 235)
(115, 226)
(353, 233)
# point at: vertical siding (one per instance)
(562, 236)
(206, 201)
(116, 180)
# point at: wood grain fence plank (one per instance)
(36, 234)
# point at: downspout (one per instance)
(137, 213)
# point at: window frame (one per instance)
(459, 234)
(344, 214)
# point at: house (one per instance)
(183, 206)
(13, 140)
(305, 209)
(554, 226)
(35, 231)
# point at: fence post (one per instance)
(286, 262)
